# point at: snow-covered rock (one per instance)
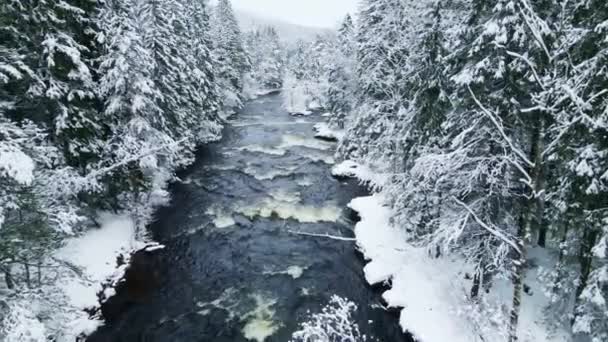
(352, 169)
(323, 131)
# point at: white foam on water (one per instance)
(293, 271)
(228, 301)
(317, 157)
(260, 321)
(224, 221)
(259, 329)
(270, 174)
(221, 167)
(263, 149)
(221, 219)
(190, 181)
(186, 181)
(284, 196)
(291, 140)
(277, 123)
(304, 181)
(299, 212)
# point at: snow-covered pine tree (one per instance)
(56, 41)
(308, 70)
(585, 154)
(340, 93)
(273, 60)
(424, 154)
(380, 73)
(15, 49)
(132, 100)
(266, 55)
(507, 139)
(229, 54)
(204, 89)
(162, 23)
(495, 84)
(33, 217)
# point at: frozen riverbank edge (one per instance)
(89, 267)
(432, 293)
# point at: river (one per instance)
(234, 268)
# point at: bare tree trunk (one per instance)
(585, 260)
(8, 278)
(519, 270)
(525, 226)
(27, 275)
(39, 269)
(477, 282)
(560, 259)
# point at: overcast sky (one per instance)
(321, 13)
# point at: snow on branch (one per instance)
(536, 29)
(491, 230)
(529, 63)
(137, 157)
(500, 128)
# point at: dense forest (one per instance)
(100, 103)
(488, 119)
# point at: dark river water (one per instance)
(233, 270)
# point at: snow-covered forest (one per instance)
(480, 127)
(100, 103)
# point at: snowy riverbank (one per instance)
(432, 293)
(87, 268)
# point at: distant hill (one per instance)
(289, 32)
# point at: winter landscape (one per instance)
(304, 171)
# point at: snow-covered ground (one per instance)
(86, 264)
(432, 293)
(96, 253)
(323, 131)
(363, 173)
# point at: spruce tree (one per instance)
(229, 54)
(340, 93)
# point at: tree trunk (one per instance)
(585, 260)
(27, 275)
(541, 224)
(538, 176)
(519, 269)
(525, 226)
(542, 236)
(8, 278)
(560, 259)
(478, 279)
(39, 269)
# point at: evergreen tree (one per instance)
(340, 93)
(492, 116)
(265, 51)
(229, 54)
(380, 74)
(55, 41)
(585, 155)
